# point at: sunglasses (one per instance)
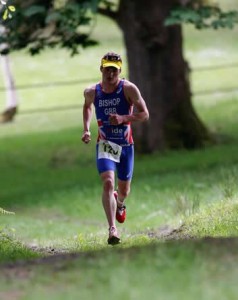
(112, 58)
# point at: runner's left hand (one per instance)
(115, 119)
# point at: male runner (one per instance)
(114, 99)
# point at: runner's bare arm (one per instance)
(133, 95)
(89, 94)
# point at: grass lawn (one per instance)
(179, 270)
(180, 238)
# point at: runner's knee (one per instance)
(108, 184)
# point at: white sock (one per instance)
(120, 203)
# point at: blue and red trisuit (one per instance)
(115, 146)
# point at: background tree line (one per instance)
(153, 38)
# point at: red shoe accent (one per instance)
(121, 211)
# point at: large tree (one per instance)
(157, 66)
(154, 52)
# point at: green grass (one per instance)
(48, 178)
(179, 270)
(12, 250)
(217, 220)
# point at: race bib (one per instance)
(109, 150)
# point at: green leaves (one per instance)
(33, 10)
(202, 17)
(67, 26)
(7, 11)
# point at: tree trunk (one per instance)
(11, 95)
(154, 52)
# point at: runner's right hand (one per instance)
(86, 137)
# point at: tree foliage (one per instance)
(37, 24)
(202, 16)
(40, 24)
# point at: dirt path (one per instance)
(57, 258)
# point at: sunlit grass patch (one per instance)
(12, 250)
(215, 220)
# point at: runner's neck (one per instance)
(109, 88)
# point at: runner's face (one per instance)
(110, 74)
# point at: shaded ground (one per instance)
(220, 252)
